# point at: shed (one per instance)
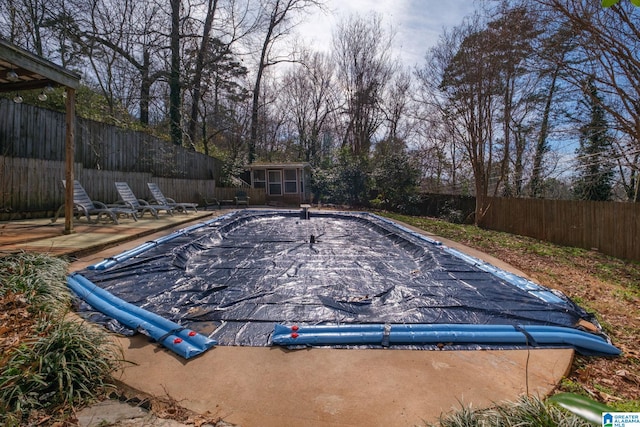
(284, 183)
(21, 70)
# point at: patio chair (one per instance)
(209, 201)
(242, 198)
(128, 198)
(84, 206)
(159, 199)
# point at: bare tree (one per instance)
(552, 52)
(196, 84)
(174, 75)
(510, 37)
(310, 99)
(362, 49)
(121, 40)
(440, 146)
(396, 105)
(280, 17)
(224, 90)
(35, 26)
(27, 23)
(209, 56)
(472, 88)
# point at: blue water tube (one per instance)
(405, 229)
(182, 341)
(111, 261)
(380, 334)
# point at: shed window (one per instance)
(290, 181)
(275, 183)
(259, 178)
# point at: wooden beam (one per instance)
(27, 85)
(21, 58)
(69, 159)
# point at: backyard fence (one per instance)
(612, 228)
(27, 131)
(30, 186)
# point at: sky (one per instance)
(417, 23)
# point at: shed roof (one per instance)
(279, 165)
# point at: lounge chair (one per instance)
(209, 201)
(129, 199)
(159, 199)
(242, 198)
(84, 206)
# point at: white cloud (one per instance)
(417, 23)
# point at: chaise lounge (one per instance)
(158, 198)
(129, 199)
(241, 198)
(84, 206)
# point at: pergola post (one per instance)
(69, 159)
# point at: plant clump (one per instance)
(528, 411)
(51, 361)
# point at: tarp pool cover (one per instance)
(251, 270)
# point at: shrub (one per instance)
(58, 362)
(68, 363)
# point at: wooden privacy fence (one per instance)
(612, 228)
(27, 131)
(32, 187)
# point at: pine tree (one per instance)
(595, 169)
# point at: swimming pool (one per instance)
(265, 277)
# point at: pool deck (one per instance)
(255, 386)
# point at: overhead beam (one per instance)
(49, 71)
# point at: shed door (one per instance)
(275, 183)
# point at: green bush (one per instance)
(68, 363)
(39, 279)
(61, 362)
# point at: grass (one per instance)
(612, 270)
(528, 411)
(53, 361)
(39, 280)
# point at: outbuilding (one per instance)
(284, 183)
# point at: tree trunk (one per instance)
(197, 78)
(145, 88)
(253, 139)
(174, 75)
(541, 146)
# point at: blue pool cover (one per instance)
(264, 277)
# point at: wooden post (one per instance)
(69, 159)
